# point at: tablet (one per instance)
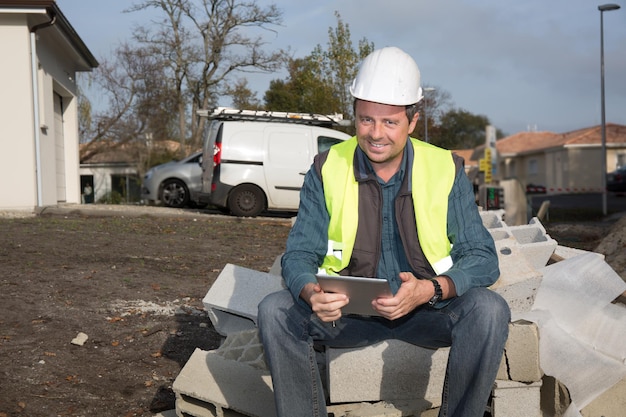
(361, 291)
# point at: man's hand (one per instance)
(326, 305)
(413, 293)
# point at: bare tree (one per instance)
(138, 104)
(435, 103)
(203, 42)
(116, 85)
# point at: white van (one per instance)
(256, 160)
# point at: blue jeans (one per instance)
(474, 325)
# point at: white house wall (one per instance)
(581, 178)
(534, 167)
(59, 78)
(17, 159)
(561, 170)
(17, 134)
(556, 166)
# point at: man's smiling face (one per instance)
(382, 131)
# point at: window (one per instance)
(325, 142)
(125, 188)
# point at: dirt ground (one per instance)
(133, 285)
(133, 282)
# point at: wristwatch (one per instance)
(438, 293)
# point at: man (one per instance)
(388, 206)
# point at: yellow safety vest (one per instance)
(433, 173)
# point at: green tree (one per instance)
(303, 91)
(338, 64)
(319, 83)
(280, 97)
(460, 129)
(242, 96)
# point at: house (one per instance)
(113, 171)
(110, 175)
(562, 162)
(41, 55)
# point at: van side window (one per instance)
(325, 142)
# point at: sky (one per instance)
(526, 65)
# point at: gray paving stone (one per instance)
(233, 299)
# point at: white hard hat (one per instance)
(388, 76)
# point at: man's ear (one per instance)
(413, 123)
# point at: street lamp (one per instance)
(603, 8)
(426, 89)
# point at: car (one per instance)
(616, 180)
(535, 189)
(172, 183)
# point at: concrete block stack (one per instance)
(400, 371)
(230, 381)
(522, 252)
(395, 378)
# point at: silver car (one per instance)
(172, 183)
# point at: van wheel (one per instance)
(246, 200)
(174, 193)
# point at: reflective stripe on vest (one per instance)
(433, 173)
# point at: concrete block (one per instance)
(520, 296)
(611, 403)
(399, 370)
(226, 381)
(516, 399)
(534, 242)
(233, 299)
(503, 370)
(276, 268)
(394, 370)
(244, 347)
(522, 352)
(492, 219)
(555, 397)
(519, 280)
(514, 264)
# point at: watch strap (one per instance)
(438, 293)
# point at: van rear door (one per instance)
(210, 158)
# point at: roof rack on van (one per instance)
(228, 113)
